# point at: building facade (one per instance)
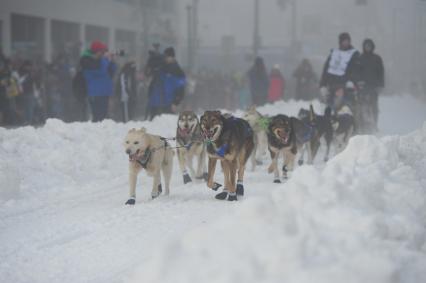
(43, 29)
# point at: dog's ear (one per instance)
(252, 109)
(217, 113)
(142, 130)
(132, 130)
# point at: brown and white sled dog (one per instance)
(152, 154)
(287, 136)
(255, 119)
(190, 144)
(229, 140)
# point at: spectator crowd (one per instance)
(96, 87)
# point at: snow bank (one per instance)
(62, 218)
(59, 155)
(359, 219)
(10, 182)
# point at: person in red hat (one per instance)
(98, 70)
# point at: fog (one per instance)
(397, 27)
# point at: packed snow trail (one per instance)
(360, 218)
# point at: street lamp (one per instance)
(189, 23)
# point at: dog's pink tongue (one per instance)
(283, 136)
(185, 131)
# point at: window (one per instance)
(126, 41)
(65, 37)
(27, 36)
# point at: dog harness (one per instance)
(307, 134)
(146, 157)
(247, 129)
(263, 123)
(222, 150)
(143, 161)
(195, 137)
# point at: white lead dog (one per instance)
(152, 154)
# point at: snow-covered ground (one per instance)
(359, 218)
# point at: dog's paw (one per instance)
(154, 196)
(277, 181)
(222, 196)
(232, 197)
(130, 201)
(186, 179)
(160, 189)
(300, 162)
(216, 186)
(240, 189)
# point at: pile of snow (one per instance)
(360, 219)
(10, 182)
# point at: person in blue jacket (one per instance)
(168, 88)
(98, 71)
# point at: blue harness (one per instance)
(308, 134)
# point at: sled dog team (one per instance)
(232, 141)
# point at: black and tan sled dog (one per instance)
(287, 136)
(229, 140)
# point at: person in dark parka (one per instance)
(168, 90)
(372, 75)
(259, 82)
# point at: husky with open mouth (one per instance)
(229, 140)
(152, 154)
(287, 136)
(190, 144)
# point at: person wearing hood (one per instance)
(98, 70)
(168, 92)
(341, 70)
(372, 74)
(306, 81)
